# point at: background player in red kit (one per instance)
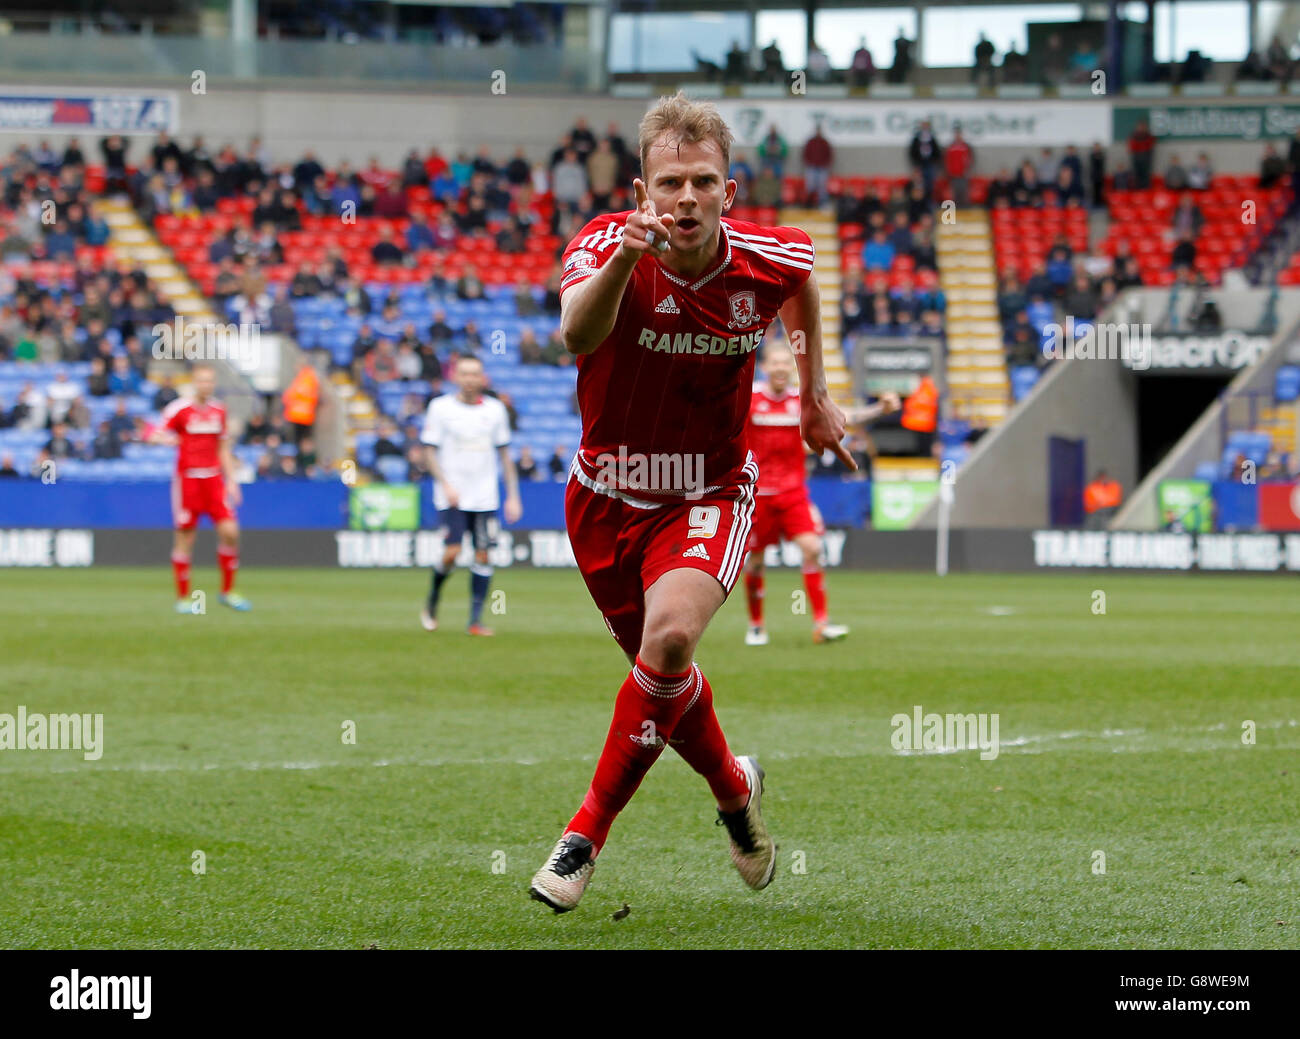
(784, 508)
(666, 306)
(204, 484)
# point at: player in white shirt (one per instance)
(468, 446)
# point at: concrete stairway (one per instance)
(978, 387)
(359, 412)
(1281, 422)
(130, 238)
(822, 229)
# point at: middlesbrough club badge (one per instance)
(743, 311)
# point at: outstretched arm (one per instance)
(589, 309)
(887, 405)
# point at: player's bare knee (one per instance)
(812, 552)
(670, 647)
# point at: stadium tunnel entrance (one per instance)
(1168, 406)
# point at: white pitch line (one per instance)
(286, 766)
(1033, 744)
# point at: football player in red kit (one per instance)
(665, 307)
(784, 508)
(204, 484)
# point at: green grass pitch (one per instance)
(1121, 734)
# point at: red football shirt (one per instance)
(675, 375)
(201, 429)
(774, 438)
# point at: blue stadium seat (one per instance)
(1286, 384)
(956, 453)
(1254, 445)
(392, 468)
(366, 448)
(1040, 314)
(1023, 379)
(953, 431)
(1206, 471)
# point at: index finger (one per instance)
(641, 197)
(842, 453)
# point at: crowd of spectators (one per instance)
(482, 196)
(62, 301)
(504, 200)
(1275, 65)
(1055, 63)
(1051, 180)
(285, 453)
(886, 296)
(399, 437)
(59, 407)
(767, 65)
(1052, 64)
(449, 25)
(46, 210)
(585, 174)
(1274, 164)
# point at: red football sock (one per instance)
(699, 740)
(181, 570)
(647, 708)
(754, 597)
(228, 560)
(815, 582)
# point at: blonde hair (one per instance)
(689, 122)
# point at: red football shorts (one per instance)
(195, 496)
(624, 545)
(785, 515)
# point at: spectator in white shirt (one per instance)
(61, 393)
(1201, 173)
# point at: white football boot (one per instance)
(752, 848)
(561, 882)
(829, 633)
(756, 636)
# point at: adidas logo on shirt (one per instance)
(667, 305)
(696, 552)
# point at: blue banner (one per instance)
(89, 111)
(1236, 505)
(309, 505)
(270, 505)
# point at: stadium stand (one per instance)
(391, 273)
